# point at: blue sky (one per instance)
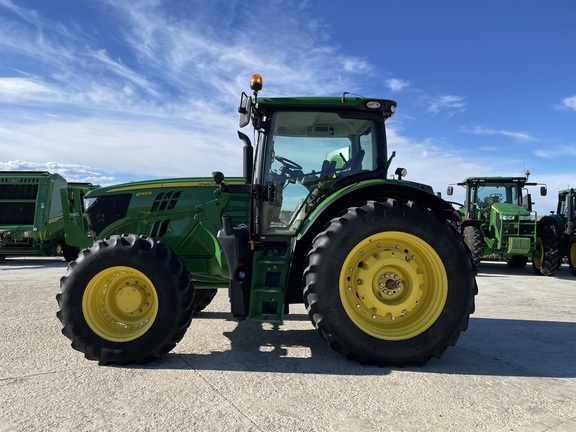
(116, 90)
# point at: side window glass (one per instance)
(307, 154)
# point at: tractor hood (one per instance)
(122, 207)
(148, 186)
(510, 209)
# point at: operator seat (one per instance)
(328, 170)
(356, 162)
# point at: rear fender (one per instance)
(376, 191)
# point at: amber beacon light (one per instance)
(256, 83)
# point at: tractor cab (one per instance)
(306, 149)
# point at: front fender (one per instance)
(551, 219)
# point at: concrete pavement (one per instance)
(513, 370)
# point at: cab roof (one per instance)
(385, 106)
(489, 180)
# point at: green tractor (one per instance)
(557, 236)
(385, 277)
(31, 216)
(498, 218)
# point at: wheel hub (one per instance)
(393, 283)
(129, 299)
(391, 286)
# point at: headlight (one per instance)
(88, 202)
(530, 217)
(508, 218)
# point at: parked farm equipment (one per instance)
(385, 277)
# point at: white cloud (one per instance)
(396, 84)
(435, 163)
(357, 66)
(478, 130)
(570, 102)
(70, 172)
(554, 152)
(544, 154)
(446, 102)
(24, 89)
(144, 147)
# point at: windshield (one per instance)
(488, 194)
(307, 153)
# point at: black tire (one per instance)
(202, 298)
(416, 259)
(572, 254)
(517, 261)
(546, 257)
(126, 299)
(70, 253)
(473, 238)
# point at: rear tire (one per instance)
(572, 254)
(404, 288)
(126, 299)
(70, 253)
(473, 238)
(546, 257)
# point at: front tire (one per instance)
(473, 238)
(70, 253)
(546, 257)
(572, 254)
(404, 288)
(126, 299)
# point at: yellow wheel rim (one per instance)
(538, 258)
(393, 285)
(572, 253)
(120, 304)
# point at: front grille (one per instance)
(107, 210)
(166, 201)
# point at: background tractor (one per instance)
(498, 218)
(31, 221)
(314, 219)
(557, 236)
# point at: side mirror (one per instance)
(450, 191)
(543, 190)
(218, 177)
(245, 109)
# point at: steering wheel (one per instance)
(496, 196)
(288, 163)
